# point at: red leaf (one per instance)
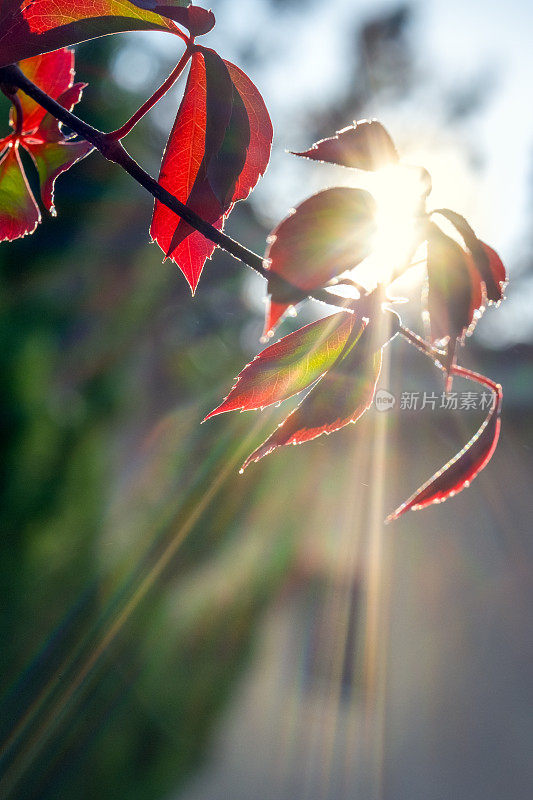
(290, 365)
(458, 473)
(498, 272)
(52, 159)
(196, 137)
(31, 27)
(341, 396)
(487, 261)
(325, 235)
(19, 214)
(215, 154)
(363, 145)
(53, 73)
(261, 132)
(450, 288)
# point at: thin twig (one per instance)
(421, 345)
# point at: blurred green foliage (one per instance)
(129, 601)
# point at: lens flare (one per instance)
(399, 192)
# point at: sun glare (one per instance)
(398, 191)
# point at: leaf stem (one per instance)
(157, 95)
(463, 372)
(421, 344)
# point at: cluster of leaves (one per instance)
(218, 148)
(40, 135)
(340, 357)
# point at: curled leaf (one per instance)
(325, 235)
(363, 145)
(461, 470)
(341, 396)
(290, 365)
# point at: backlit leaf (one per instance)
(19, 214)
(498, 272)
(363, 145)
(341, 396)
(290, 365)
(325, 235)
(216, 152)
(458, 473)
(196, 19)
(31, 27)
(54, 74)
(53, 158)
(260, 136)
(450, 290)
(196, 137)
(487, 261)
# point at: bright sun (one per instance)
(399, 191)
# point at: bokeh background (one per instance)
(171, 629)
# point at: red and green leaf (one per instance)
(363, 145)
(341, 396)
(41, 136)
(32, 27)
(290, 365)
(217, 150)
(19, 214)
(325, 235)
(461, 470)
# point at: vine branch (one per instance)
(113, 150)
